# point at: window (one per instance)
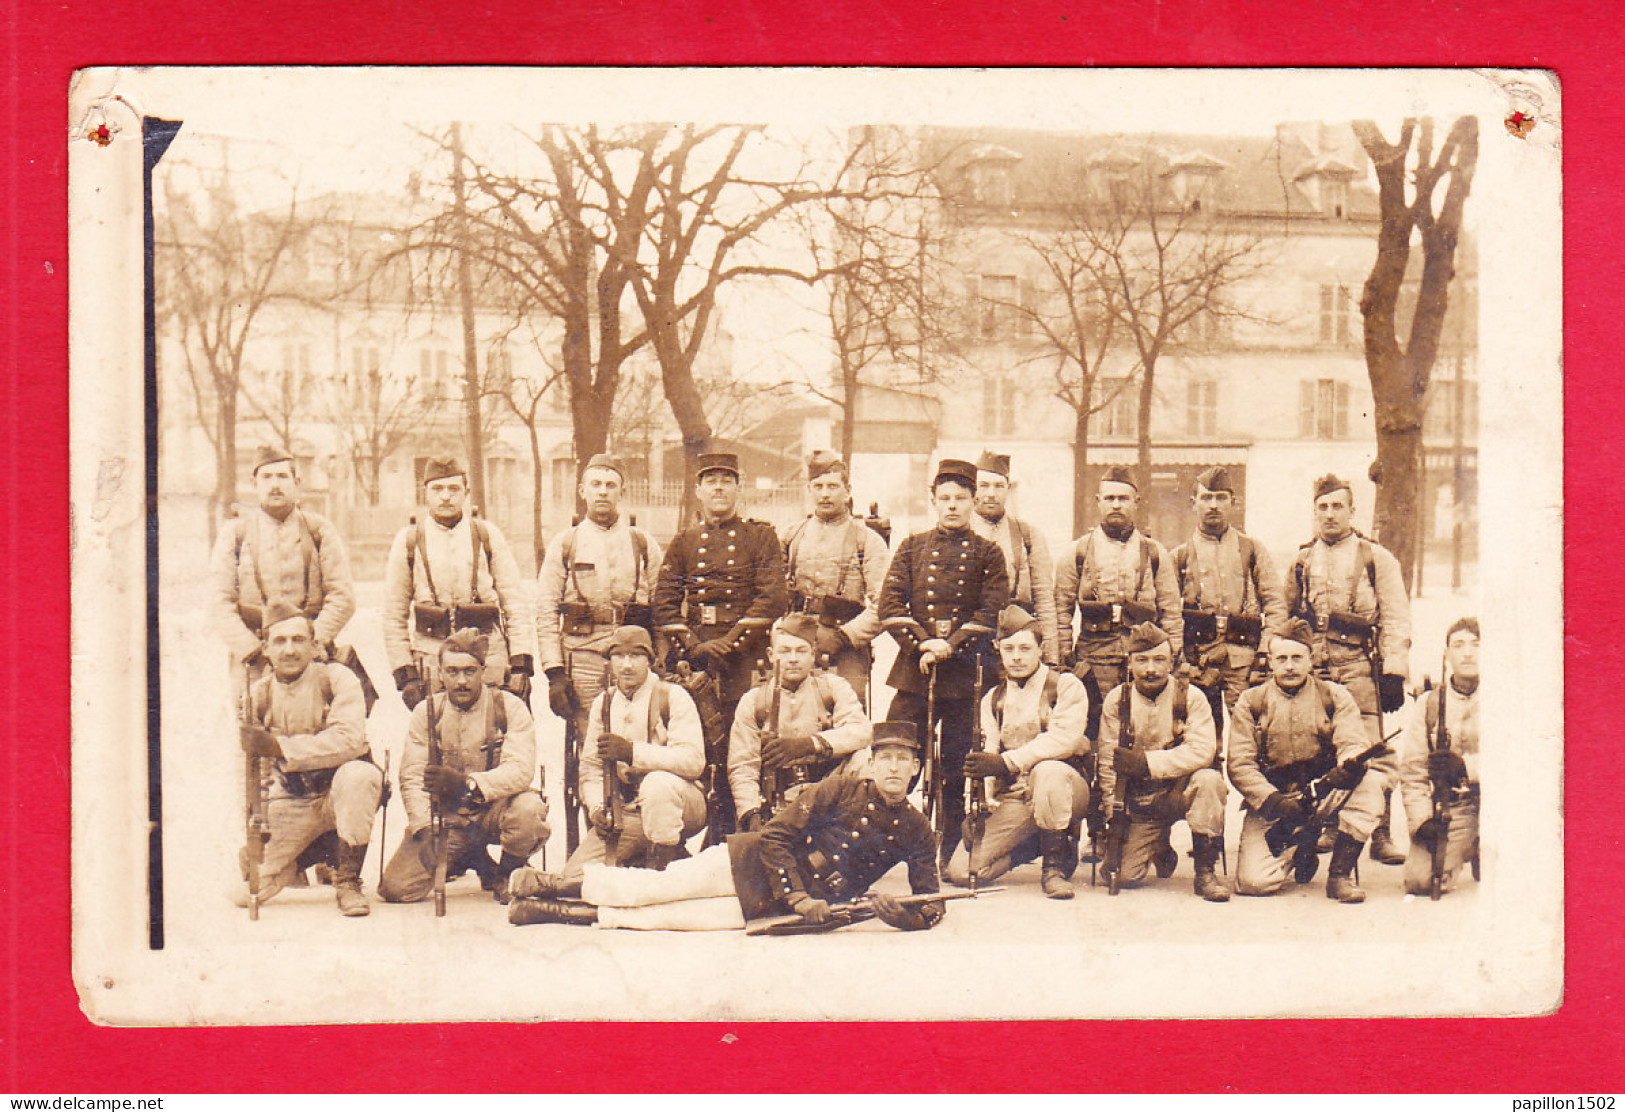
(499, 368)
(1336, 314)
(998, 310)
(1323, 409)
(991, 184)
(1336, 194)
(998, 406)
(366, 367)
(434, 375)
(1202, 407)
(1118, 417)
(295, 376)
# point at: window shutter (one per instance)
(1306, 408)
(1341, 421)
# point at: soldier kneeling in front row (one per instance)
(1156, 750)
(309, 719)
(472, 748)
(825, 849)
(1290, 735)
(1033, 739)
(1440, 774)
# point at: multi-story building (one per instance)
(1273, 384)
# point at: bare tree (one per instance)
(1400, 375)
(884, 254)
(378, 409)
(1169, 263)
(217, 272)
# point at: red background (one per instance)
(46, 1045)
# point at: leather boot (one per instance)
(1167, 860)
(1383, 850)
(532, 883)
(501, 891)
(347, 880)
(1340, 884)
(1206, 849)
(526, 912)
(657, 856)
(1056, 847)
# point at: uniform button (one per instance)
(731, 533)
(731, 548)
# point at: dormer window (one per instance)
(989, 176)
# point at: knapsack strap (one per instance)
(416, 546)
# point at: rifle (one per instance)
(977, 806)
(1327, 801)
(383, 812)
(439, 838)
(614, 818)
(1117, 825)
(256, 819)
(542, 772)
(1440, 742)
(859, 910)
(773, 795)
(572, 767)
(706, 691)
(931, 774)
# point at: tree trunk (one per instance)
(537, 478)
(1142, 465)
(225, 461)
(1080, 466)
(473, 433)
(1397, 508)
(849, 414)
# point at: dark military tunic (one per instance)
(725, 580)
(947, 583)
(832, 843)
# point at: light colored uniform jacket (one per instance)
(1032, 576)
(313, 733)
(451, 559)
(1334, 578)
(801, 714)
(1216, 578)
(1460, 714)
(1022, 740)
(1099, 569)
(604, 573)
(817, 557)
(463, 737)
(1154, 734)
(1288, 731)
(675, 745)
(258, 560)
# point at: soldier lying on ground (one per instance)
(826, 848)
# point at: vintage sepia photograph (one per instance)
(815, 544)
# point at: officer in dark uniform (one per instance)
(721, 586)
(941, 599)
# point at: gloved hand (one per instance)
(561, 697)
(257, 741)
(750, 822)
(712, 653)
(1446, 767)
(1131, 762)
(326, 651)
(411, 686)
(983, 763)
(602, 819)
(901, 916)
(1094, 823)
(1117, 826)
(813, 911)
(1345, 777)
(1391, 692)
(832, 641)
(614, 747)
(780, 751)
(446, 784)
(255, 657)
(520, 670)
(1279, 807)
(1427, 835)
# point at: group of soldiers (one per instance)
(724, 686)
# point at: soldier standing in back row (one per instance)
(1117, 577)
(942, 596)
(454, 571)
(1231, 594)
(721, 586)
(1026, 553)
(1352, 593)
(596, 576)
(837, 565)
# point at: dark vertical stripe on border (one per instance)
(156, 135)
